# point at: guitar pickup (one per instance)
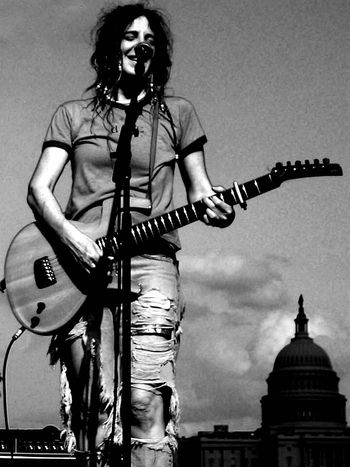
(43, 273)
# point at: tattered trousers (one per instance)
(156, 311)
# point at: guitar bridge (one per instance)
(43, 273)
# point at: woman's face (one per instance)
(138, 31)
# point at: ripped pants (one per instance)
(155, 334)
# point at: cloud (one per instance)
(234, 305)
(273, 334)
(240, 281)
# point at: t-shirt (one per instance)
(90, 139)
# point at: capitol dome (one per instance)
(302, 350)
(303, 388)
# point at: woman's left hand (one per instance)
(218, 213)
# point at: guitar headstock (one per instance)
(307, 169)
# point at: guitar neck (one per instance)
(190, 213)
(155, 227)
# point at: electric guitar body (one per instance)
(45, 285)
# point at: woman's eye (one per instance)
(129, 37)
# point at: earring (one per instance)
(151, 83)
(120, 69)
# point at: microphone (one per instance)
(144, 51)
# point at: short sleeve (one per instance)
(192, 136)
(59, 132)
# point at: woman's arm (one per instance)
(198, 186)
(45, 206)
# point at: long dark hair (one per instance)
(107, 36)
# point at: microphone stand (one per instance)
(121, 177)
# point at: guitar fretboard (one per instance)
(155, 227)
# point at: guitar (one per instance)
(46, 287)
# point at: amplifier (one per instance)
(33, 447)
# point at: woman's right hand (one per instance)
(84, 249)
(45, 206)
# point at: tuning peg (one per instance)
(316, 161)
(278, 169)
(289, 164)
(307, 162)
(298, 163)
(325, 160)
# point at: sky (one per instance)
(270, 82)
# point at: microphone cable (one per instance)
(17, 334)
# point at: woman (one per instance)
(86, 133)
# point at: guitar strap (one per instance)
(153, 149)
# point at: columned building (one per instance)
(303, 416)
(303, 413)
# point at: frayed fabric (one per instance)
(67, 434)
(118, 432)
(174, 417)
(157, 444)
(59, 340)
(152, 452)
(155, 341)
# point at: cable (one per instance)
(17, 334)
